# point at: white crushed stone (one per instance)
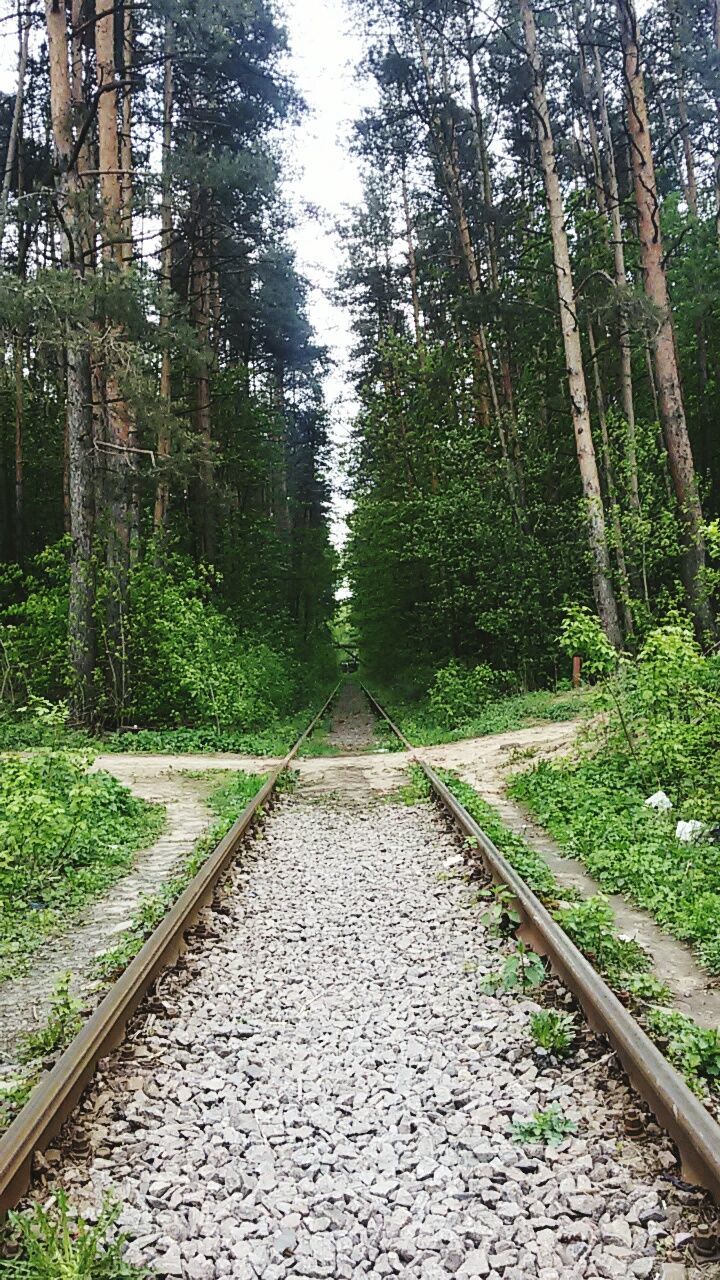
(333, 1095)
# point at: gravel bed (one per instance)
(326, 1092)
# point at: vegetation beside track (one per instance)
(660, 732)
(457, 704)
(66, 836)
(589, 923)
(38, 1049)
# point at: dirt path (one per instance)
(486, 763)
(25, 1000)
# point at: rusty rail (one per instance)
(675, 1107)
(57, 1094)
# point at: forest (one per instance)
(535, 283)
(527, 274)
(163, 436)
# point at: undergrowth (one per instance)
(66, 836)
(426, 725)
(623, 963)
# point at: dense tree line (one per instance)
(535, 279)
(162, 429)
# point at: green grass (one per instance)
(595, 810)
(423, 727)
(589, 922)
(66, 836)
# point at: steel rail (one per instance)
(676, 1108)
(57, 1094)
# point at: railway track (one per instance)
(322, 1088)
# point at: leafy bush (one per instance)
(65, 836)
(457, 693)
(186, 660)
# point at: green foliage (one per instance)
(591, 926)
(64, 1021)
(521, 971)
(424, 728)
(549, 1126)
(66, 835)
(554, 1031)
(417, 789)
(582, 634)
(457, 693)
(56, 1244)
(185, 663)
(694, 1050)
(661, 730)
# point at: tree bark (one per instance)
(81, 621)
(118, 451)
(412, 261)
(667, 376)
(611, 487)
(12, 147)
(162, 490)
(595, 515)
(200, 304)
(621, 281)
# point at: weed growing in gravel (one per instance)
(553, 1030)
(56, 1244)
(694, 1050)
(521, 971)
(549, 1126)
(500, 915)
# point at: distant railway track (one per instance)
(677, 1110)
(56, 1096)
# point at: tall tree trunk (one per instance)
(12, 147)
(162, 490)
(595, 515)
(716, 40)
(412, 261)
(615, 519)
(19, 447)
(667, 376)
(200, 304)
(621, 281)
(118, 450)
(81, 622)
(493, 259)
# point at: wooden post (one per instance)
(577, 667)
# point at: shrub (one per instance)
(457, 693)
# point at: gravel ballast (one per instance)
(330, 1094)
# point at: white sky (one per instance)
(323, 64)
